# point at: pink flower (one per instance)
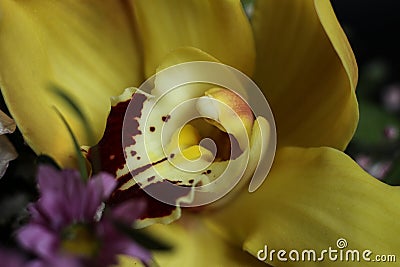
(68, 226)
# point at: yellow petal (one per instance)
(88, 48)
(183, 55)
(219, 28)
(311, 198)
(307, 70)
(338, 39)
(194, 245)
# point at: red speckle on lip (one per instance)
(110, 146)
(111, 158)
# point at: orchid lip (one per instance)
(221, 120)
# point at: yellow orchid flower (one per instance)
(297, 53)
(202, 138)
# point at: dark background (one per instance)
(373, 28)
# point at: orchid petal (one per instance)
(194, 245)
(306, 69)
(89, 50)
(311, 199)
(212, 26)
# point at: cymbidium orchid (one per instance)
(295, 51)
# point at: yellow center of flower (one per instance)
(80, 240)
(219, 134)
(215, 146)
(207, 139)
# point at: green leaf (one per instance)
(89, 131)
(81, 158)
(71, 103)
